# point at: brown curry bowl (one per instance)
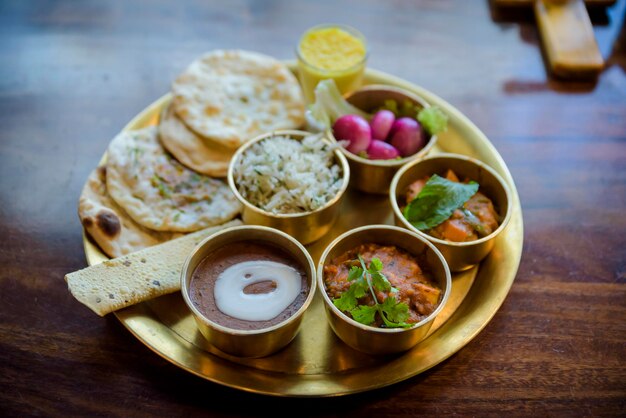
(459, 255)
(374, 176)
(258, 342)
(306, 227)
(373, 340)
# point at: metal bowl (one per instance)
(375, 340)
(306, 227)
(374, 176)
(248, 343)
(459, 255)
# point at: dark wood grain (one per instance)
(73, 73)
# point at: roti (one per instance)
(231, 96)
(160, 193)
(108, 224)
(199, 154)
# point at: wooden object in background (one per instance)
(566, 34)
(568, 39)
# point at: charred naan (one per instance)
(108, 224)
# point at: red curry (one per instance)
(415, 287)
(477, 218)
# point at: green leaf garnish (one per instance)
(405, 109)
(365, 279)
(433, 120)
(437, 201)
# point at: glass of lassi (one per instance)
(331, 51)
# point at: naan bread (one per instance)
(160, 193)
(199, 154)
(107, 223)
(133, 278)
(231, 96)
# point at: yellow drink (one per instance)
(331, 51)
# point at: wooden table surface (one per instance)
(72, 74)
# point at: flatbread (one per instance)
(231, 96)
(199, 154)
(108, 224)
(160, 193)
(137, 277)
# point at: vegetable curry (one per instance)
(410, 285)
(475, 219)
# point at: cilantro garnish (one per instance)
(437, 201)
(364, 280)
(159, 183)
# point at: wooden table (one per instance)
(73, 73)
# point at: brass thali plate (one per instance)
(317, 363)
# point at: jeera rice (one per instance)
(282, 175)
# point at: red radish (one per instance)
(380, 150)
(381, 124)
(407, 136)
(354, 129)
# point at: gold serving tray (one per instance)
(317, 363)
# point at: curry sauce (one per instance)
(415, 287)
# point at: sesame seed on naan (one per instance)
(199, 154)
(231, 96)
(160, 193)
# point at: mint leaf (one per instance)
(437, 201)
(433, 120)
(364, 314)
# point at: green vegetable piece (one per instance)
(474, 223)
(433, 120)
(329, 106)
(406, 109)
(437, 201)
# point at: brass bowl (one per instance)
(373, 340)
(459, 255)
(374, 176)
(306, 227)
(248, 343)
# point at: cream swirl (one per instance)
(231, 299)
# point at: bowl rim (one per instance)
(344, 317)
(343, 162)
(396, 208)
(241, 332)
(395, 162)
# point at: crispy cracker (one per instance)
(136, 277)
